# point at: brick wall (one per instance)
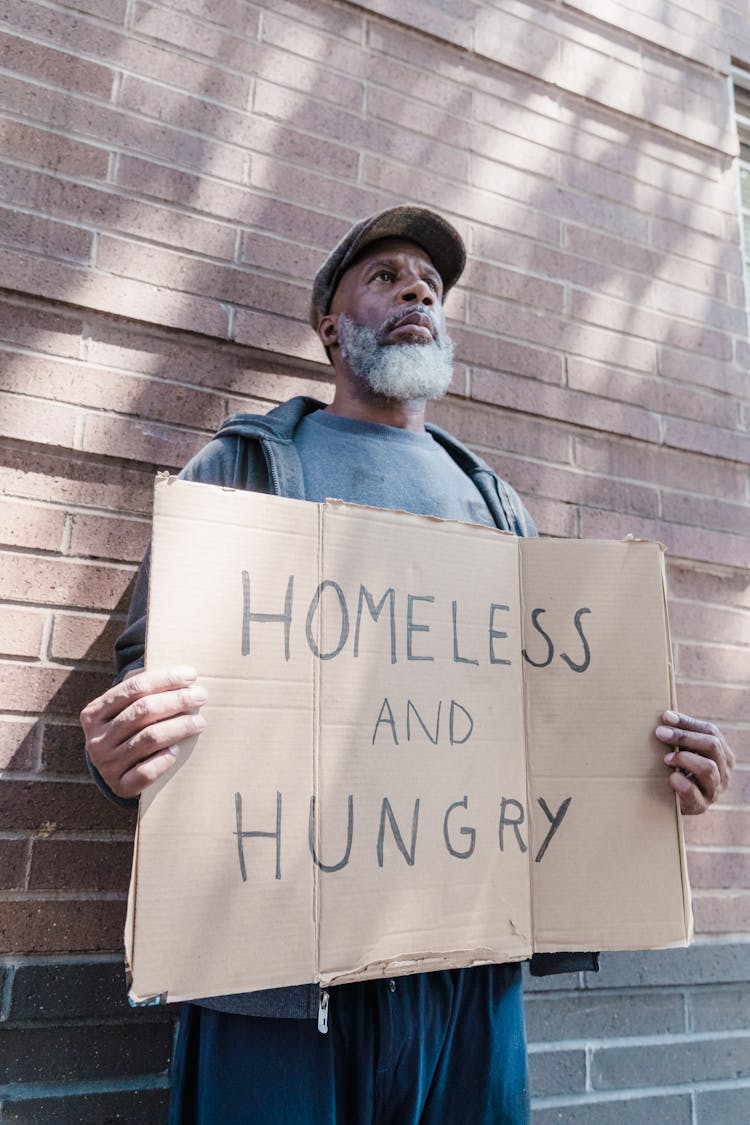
(172, 173)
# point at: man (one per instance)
(437, 1048)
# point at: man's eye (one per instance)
(384, 275)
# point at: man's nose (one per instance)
(415, 290)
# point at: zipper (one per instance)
(271, 463)
(323, 1013)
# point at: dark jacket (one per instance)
(257, 452)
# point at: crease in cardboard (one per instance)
(317, 719)
(406, 964)
(522, 619)
(687, 892)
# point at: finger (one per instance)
(112, 702)
(135, 780)
(710, 744)
(702, 771)
(150, 709)
(154, 739)
(702, 726)
(692, 801)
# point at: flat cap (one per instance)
(427, 229)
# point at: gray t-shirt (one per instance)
(384, 467)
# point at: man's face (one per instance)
(390, 324)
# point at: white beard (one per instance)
(397, 371)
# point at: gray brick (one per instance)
(72, 1053)
(603, 1015)
(670, 1110)
(723, 1107)
(136, 1107)
(692, 1060)
(557, 1072)
(710, 963)
(85, 989)
(720, 1009)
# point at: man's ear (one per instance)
(328, 331)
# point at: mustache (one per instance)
(423, 310)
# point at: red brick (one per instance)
(58, 68)
(727, 587)
(489, 351)
(530, 397)
(39, 475)
(606, 313)
(649, 392)
(59, 806)
(697, 622)
(515, 285)
(23, 323)
(89, 385)
(309, 227)
(285, 105)
(107, 537)
(497, 430)
(82, 1053)
(63, 582)
(137, 1107)
(13, 860)
(306, 186)
(718, 827)
(21, 631)
(682, 542)
(113, 10)
(80, 865)
(593, 179)
(148, 442)
(125, 50)
(182, 272)
(723, 913)
(443, 85)
(719, 869)
(707, 439)
(31, 525)
(78, 636)
(58, 240)
(54, 926)
(114, 128)
(279, 256)
(719, 704)
(405, 181)
(553, 518)
(246, 130)
(713, 663)
(108, 210)
(198, 38)
(227, 13)
(277, 334)
(120, 296)
(684, 508)
(679, 240)
(702, 370)
(18, 739)
(637, 461)
(573, 487)
(34, 421)
(62, 748)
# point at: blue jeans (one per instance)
(445, 1048)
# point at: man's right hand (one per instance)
(132, 730)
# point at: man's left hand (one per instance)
(702, 760)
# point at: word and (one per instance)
(512, 815)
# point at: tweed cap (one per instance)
(427, 229)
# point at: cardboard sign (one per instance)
(428, 745)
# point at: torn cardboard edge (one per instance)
(178, 537)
